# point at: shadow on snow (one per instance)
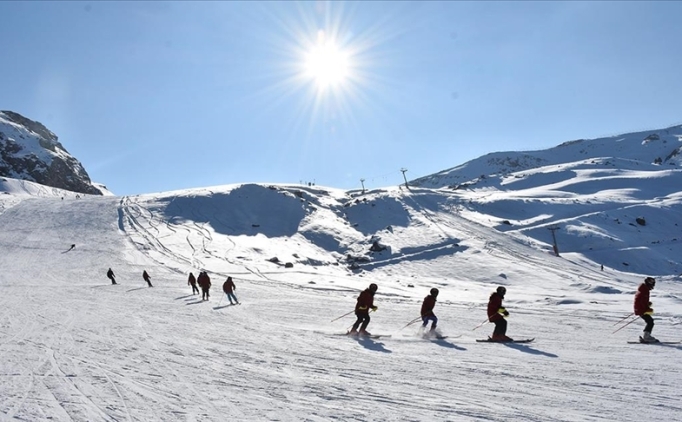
(369, 344)
(137, 288)
(448, 344)
(527, 349)
(215, 308)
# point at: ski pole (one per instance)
(623, 319)
(343, 315)
(412, 322)
(633, 320)
(480, 325)
(221, 300)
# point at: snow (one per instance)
(29, 141)
(639, 150)
(75, 347)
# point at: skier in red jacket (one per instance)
(643, 308)
(427, 310)
(497, 314)
(204, 281)
(362, 307)
(228, 287)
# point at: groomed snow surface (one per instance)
(73, 347)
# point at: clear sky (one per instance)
(155, 96)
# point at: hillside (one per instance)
(615, 201)
(75, 347)
(642, 149)
(30, 151)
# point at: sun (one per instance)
(326, 63)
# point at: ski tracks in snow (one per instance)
(151, 233)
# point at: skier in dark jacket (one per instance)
(146, 278)
(192, 281)
(204, 281)
(497, 314)
(228, 288)
(427, 310)
(643, 308)
(362, 307)
(111, 276)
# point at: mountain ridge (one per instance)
(661, 146)
(30, 151)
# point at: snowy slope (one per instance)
(75, 347)
(644, 149)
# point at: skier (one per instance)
(204, 282)
(191, 281)
(146, 278)
(362, 307)
(643, 308)
(228, 288)
(111, 276)
(427, 310)
(497, 314)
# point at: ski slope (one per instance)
(73, 347)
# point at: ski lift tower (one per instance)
(404, 170)
(553, 229)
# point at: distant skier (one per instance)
(497, 314)
(643, 308)
(427, 310)
(72, 247)
(204, 282)
(146, 278)
(364, 304)
(228, 288)
(111, 276)
(192, 281)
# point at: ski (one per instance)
(489, 340)
(360, 337)
(654, 342)
(368, 336)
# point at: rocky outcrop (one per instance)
(30, 151)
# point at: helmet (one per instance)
(373, 287)
(434, 292)
(501, 290)
(650, 281)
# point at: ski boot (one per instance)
(501, 338)
(648, 338)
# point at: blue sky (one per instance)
(160, 96)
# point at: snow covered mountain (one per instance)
(661, 148)
(611, 198)
(74, 347)
(29, 151)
